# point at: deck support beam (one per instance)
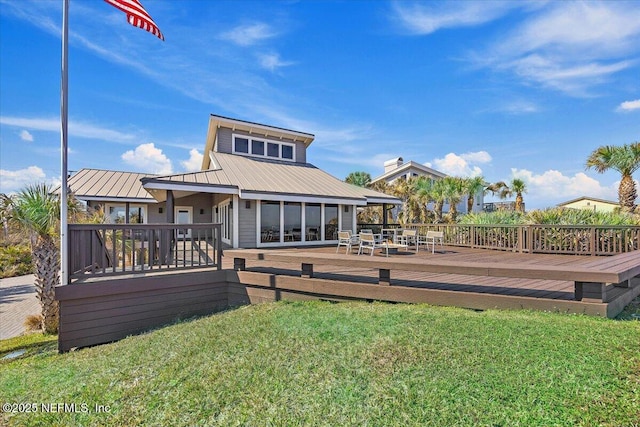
(384, 277)
(239, 264)
(307, 270)
(590, 291)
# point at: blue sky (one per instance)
(501, 89)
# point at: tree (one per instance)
(35, 210)
(517, 186)
(624, 159)
(361, 179)
(473, 186)
(453, 192)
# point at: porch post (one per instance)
(170, 207)
(126, 213)
(167, 235)
(385, 223)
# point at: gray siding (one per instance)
(247, 224)
(201, 204)
(347, 218)
(225, 141)
(301, 152)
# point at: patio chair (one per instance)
(368, 242)
(346, 239)
(408, 237)
(434, 237)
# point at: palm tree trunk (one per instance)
(470, 200)
(437, 208)
(627, 193)
(519, 201)
(47, 271)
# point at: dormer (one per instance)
(255, 140)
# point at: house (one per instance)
(591, 203)
(397, 169)
(255, 180)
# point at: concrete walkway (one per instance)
(17, 301)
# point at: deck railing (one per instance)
(111, 249)
(540, 238)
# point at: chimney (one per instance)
(392, 164)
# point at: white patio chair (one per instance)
(346, 239)
(367, 242)
(434, 237)
(408, 237)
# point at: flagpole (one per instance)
(64, 252)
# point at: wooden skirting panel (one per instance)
(260, 287)
(108, 310)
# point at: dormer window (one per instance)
(261, 147)
(241, 145)
(257, 147)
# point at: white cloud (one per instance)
(194, 163)
(77, 129)
(552, 187)
(461, 165)
(26, 136)
(272, 61)
(426, 18)
(627, 106)
(569, 46)
(247, 35)
(148, 158)
(11, 181)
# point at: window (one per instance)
(312, 220)
(331, 222)
(117, 214)
(270, 222)
(241, 145)
(264, 148)
(257, 147)
(292, 221)
(287, 152)
(273, 150)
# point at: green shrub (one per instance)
(557, 216)
(15, 260)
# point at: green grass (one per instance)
(289, 364)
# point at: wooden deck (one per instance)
(472, 278)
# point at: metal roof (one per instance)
(256, 178)
(96, 184)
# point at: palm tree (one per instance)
(473, 186)
(422, 190)
(453, 192)
(35, 210)
(359, 178)
(623, 159)
(438, 195)
(517, 186)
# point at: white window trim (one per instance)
(266, 141)
(303, 241)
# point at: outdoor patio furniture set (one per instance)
(389, 241)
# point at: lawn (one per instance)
(319, 363)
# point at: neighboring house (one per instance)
(396, 169)
(255, 181)
(591, 203)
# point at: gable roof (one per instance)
(98, 184)
(608, 202)
(405, 167)
(264, 179)
(216, 122)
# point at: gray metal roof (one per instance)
(254, 175)
(409, 165)
(96, 184)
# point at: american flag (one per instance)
(137, 16)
